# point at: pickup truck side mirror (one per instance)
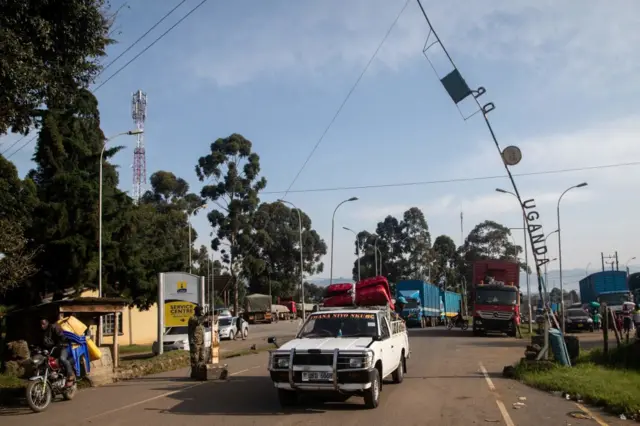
(272, 340)
(377, 338)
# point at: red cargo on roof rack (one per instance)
(373, 291)
(341, 294)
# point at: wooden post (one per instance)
(605, 327)
(215, 342)
(116, 326)
(616, 332)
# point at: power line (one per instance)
(454, 180)
(12, 145)
(346, 99)
(157, 39)
(196, 7)
(132, 45)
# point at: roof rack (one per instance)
(364, 308)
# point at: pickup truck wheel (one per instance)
(287, 398)
(398, 374)
(372, 395)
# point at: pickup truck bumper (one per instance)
(346, 381)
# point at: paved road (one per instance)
(258, 334)
(444, 386)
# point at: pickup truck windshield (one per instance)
(495, 297)
(339, 324)
(614, 299)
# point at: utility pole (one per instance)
(610, 260)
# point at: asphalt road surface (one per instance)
(453, 379)
(258, 334)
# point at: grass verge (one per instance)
(606, 382)
(134, 349)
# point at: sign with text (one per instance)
(177, 313)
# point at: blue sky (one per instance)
(564, 79)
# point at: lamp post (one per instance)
(545, 256)
(581, 185)
(333, 220)
(526, 256)
(378, 250)
(357, 248)
(301, 257)
(104, 145)
(626, 265)
(189, 222)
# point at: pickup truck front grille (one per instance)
(313, 359)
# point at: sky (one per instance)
(563, 77)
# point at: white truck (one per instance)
(346, 351)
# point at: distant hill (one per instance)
(323, 282)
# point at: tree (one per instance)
(275, 259)
(154, 238)
(574, 296)
(66, 176)
(445, 261)
(233, 186)
(16, 263)
(416, 241)
(49, 50)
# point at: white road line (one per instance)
(505, 413)
(487, 378)
(135, 404)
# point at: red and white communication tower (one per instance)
(139, 115)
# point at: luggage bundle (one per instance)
(340, 295)
(373, 291)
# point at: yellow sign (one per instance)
(182, 286)
(177, 313)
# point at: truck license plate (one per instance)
(580, 325)
(323, 376)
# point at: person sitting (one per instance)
(53, 339)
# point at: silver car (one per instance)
(228, 328)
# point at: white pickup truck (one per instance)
(346, 351)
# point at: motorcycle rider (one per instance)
(54, 338)
(457, 319)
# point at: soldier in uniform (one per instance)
(196, 332)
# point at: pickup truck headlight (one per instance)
(589, 320)
(282, 362)
(356, 362)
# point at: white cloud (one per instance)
(564, 42)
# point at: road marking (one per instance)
(135, 404)
(487, 378)
(505, 413)
(593, 416)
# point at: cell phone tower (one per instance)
(139, 115)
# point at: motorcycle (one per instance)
(460, 322)
(49, 381)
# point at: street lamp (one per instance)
(586, 270)
(301, 258)
(378, 250)
(333, 219)
(357, 248)
(626, 265)
(526, 254)
(375, 254)
(104, 145)
(189, 222)
(581, 185)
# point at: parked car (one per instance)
(223, 312)
(228, 328)
(578, 320)
(176, 338)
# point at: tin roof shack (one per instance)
(24, 324)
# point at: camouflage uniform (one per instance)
(196, 342)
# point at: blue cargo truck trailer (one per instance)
(423, 307)
(451, 303)
(608, 287)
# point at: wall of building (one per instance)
(138, 327)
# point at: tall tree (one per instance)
(233, 183)
(416, 242)
(49, 49)
(17, 201)
(445, 261)
(277, 248)
(488, 240)
(65, 221)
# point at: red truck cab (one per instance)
(496, 297)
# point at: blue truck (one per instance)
(451, 303)
(423, 307)
(606, 286)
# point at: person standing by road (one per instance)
(636, 320)
(240, 325)
(596, 319)
(196, 332)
